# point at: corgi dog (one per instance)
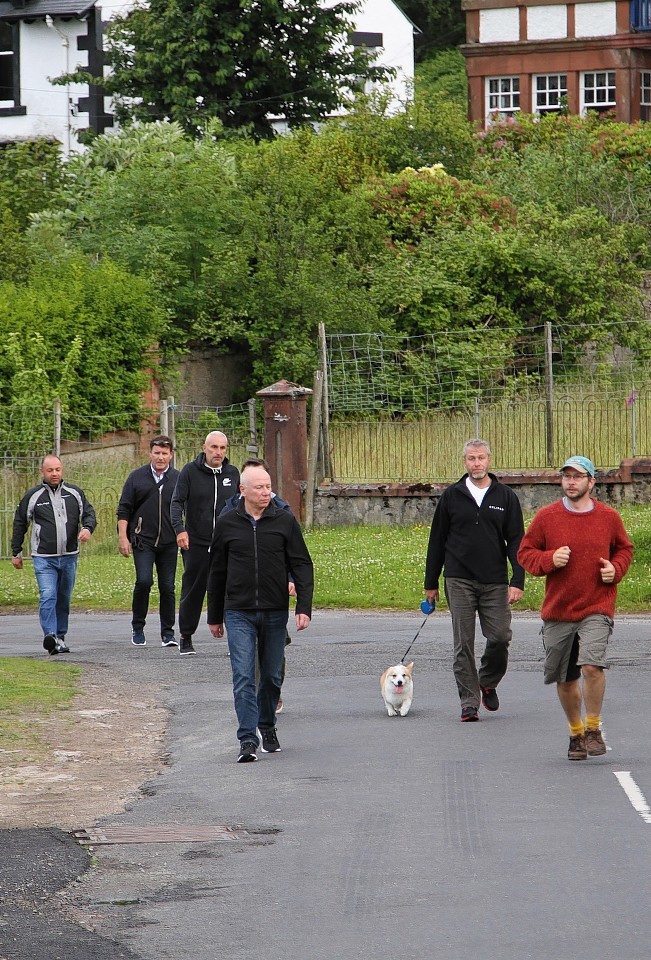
(397, 689)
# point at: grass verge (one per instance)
(32, 694)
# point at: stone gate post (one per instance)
(285, 440)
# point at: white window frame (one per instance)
(645, 94)
(600, 80)
(557, 94)
(502, 97)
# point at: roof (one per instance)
(39, 9)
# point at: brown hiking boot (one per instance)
(577, 749)
(595, 744)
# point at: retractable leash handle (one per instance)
(426, 608)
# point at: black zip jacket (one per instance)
(250, 563)
(145, 505)
(473, 543)
(56, 514)
(200, 494)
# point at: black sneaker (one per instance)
(62, 646)
(248, 751)
(169, 641)
(490, 699)
(186, 649)
(50, 644)
(468, 714)
(138, 638)
(270, 741)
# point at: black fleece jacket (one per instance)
(473, 543)
(250, 563)
(200, 494)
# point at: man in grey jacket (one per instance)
(61, 519)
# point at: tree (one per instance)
(237, 61)
(442, 24)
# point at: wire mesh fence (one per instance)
(99, 453)
(400, 408)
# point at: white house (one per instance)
(43, 39)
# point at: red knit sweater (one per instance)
(576, 591)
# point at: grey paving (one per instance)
(374, 836)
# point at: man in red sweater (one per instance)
(582, 548)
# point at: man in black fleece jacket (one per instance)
(145, 532)
(253, 549)
(202, 489)
(476, 527)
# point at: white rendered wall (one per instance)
(595, 19)
(43, 56)
(547, 23)
(499, 26)
(383, 16)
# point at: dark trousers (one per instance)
(468, 599)
(164, 560)
(196, 564)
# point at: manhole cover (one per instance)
(169, 833)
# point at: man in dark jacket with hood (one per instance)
(145, 532)
(203, 487)
(476, 527)
(254, 548)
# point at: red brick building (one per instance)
(535, 56)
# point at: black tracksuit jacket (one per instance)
(199, 497)
(145, 505)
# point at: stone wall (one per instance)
(406, 504)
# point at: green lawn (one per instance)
(369, 568)
(30, 693)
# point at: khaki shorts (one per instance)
(568, 646)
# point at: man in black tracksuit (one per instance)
(145, 532)
(254, 548)
(476, 527)
(203, 487)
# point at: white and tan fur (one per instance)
(397, 688)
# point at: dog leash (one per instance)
(426, 608)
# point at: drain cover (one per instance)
(168, 833)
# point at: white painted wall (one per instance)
(595, 19)
(499, 26)
(383, 16)
(43, 56)
(547, 23)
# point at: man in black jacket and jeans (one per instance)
(476, 527)
(203, 487)
(145, 532)
(254, 547)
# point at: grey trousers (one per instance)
(468, 599)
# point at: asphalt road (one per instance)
(367, 836)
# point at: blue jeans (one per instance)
(55, 577)
(164, 559)
(250, 632)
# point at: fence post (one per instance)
(477, 433)
(315, 434)
(57, 428)
(549, 394)
(252, 446)
(325, 415)
(163, 418)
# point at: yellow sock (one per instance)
(577, 728)
(592, 722)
